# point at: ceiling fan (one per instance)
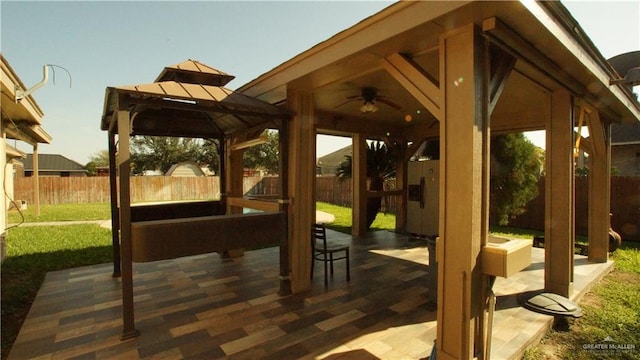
(369, 96)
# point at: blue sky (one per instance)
(122, 43)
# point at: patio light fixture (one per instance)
(368, 107)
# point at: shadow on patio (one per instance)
(205, 307)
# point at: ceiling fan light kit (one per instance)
(369, 96)
(368, 107)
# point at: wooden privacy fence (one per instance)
(330, 190)
(625, 196)
(75, 190)
(625, 207)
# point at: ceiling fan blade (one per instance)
(388, 102)
(346, 102)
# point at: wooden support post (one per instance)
(401, 183)
(359, 178)
(559, 196)
(234, 176)
(124, 170)
(115, 217)
(599, 187)
(36, 180)
(302, 173)
(462, 186)
(283, 144)
(222, 170)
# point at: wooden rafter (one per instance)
(416, 82)
(501, 65)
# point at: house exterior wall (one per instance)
(626, 159)
(29, 173)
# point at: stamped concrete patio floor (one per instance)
(205, 307)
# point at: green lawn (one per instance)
(611, 309)
(63, 212)
(34, 251)
(343, 218)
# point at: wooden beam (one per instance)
(419, 133)
(256, 204)
(502, 64)
(585, 144)
(371, 31)
(397, 192)
(598, 130)
(559, 194)
(507, 39)
(329, 123)
(503, 36)
(157, 102)
(416, 82)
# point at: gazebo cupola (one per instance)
(194, 72)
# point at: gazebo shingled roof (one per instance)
(189, 100)
(170, 108)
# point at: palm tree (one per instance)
(381, 165)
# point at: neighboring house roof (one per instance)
(185, 168)
(625, 134)
(335, 158)
(53, 162)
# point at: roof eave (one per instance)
(394, 19)
(559, 23)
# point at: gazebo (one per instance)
(458, 72)
(189, 100)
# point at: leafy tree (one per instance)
(98, 159)
(264, 156)
(160, 153)
(381, 165)
(208, 154)
(515, 172)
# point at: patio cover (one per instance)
(460, 71)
